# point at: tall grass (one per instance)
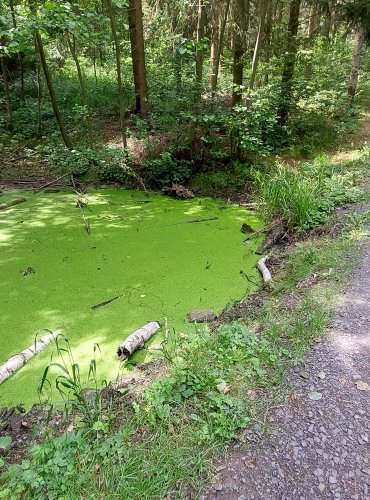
(290, 195)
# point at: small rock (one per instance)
(202, 316)
(321, 487)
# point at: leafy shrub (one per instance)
(166, 169)
(109, 165)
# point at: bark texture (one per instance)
(137, 339)
(16, 362)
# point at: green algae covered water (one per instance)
(143, 250)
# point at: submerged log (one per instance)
(261, 265)
(16, 201)
(15, 362)
(137, 339)
(272, 237)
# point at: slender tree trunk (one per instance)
(267, 43)
(117, 51)
(356, 60)
(214, 76)
(288, 70)
(199, 56)
(135, 18)
(257, 48)
(8, 101)
(21, 69)
(49, 83)
(215, 39)
(240, 9)
(94, 65)
(312, 23)
(85, 101)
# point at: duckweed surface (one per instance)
(143, 250)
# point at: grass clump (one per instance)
(303, 196)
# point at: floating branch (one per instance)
(261, 265)
(15, 362)
(137, 339)
(16, 201)
(194, 221)
(105, 303)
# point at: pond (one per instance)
(156, 254)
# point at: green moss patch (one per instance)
(142, 250)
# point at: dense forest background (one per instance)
(188, 88)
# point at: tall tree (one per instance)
(289, 63)
(49, 82)
(117, 51)
(356, 60)
(8, 101)
(257, 47)
(135, 19)
(218, 34)
(240, 16)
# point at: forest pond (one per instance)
(158, 257)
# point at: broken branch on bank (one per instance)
(16, 362)
(137, 339)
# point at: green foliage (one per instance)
(108, 165)
(70, 387)
(166, 169)
(304, 195)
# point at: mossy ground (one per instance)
(147, 253)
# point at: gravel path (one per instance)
(315, 449)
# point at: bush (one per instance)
(109, 165)
(166, 169)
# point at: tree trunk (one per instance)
(8, 101)
(267, 43)
(288, 69)
(360, 36)
(72, 49)
(137, 339)
(215, 39)
(49, 83)
(214, 76)
(312, 24)
(240, 17)
(199, 55)
(257, 48)
(117, 51)
(135, 19)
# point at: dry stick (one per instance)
(15, 362)
(81, 205)
(194, 221)
(106, 302)
(137, 339)
(261, 265)
(52, 182)
(16, 201)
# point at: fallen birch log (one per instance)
(261, 265)
(18, 360)
(137, 339)
(16, 201)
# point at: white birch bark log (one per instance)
(18, 360)
(137, 339)
(261, 265)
